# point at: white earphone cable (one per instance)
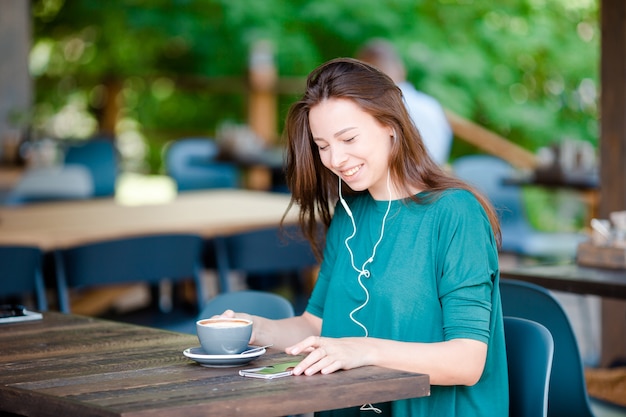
(363, 272)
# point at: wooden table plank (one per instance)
(72, 365)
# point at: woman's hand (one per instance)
(327, 355)
(279, 333)
(228, 313)
(453, 362)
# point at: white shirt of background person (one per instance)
(431, 121)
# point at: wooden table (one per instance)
(607, 283)
(572, 278)
(70, 365)
(587, 185)
(588, 182)
(57, 225)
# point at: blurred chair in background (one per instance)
(487, 173)
(270, 254)
(529, 351)
(66, 182)
(100, 157)
(568, 391)
(142, 259)
(192, 163)
(258, 303)
(21, 275)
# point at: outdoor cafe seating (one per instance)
(251, 249)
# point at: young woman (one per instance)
(409, 274)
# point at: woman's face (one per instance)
(352, 144)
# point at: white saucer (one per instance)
(221, 361)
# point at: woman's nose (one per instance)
(337, 156)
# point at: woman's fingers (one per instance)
(324, 355)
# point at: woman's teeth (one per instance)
(352, 171)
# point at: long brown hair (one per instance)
(314, 188)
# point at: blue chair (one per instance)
(100, 157)
(568, 390)
(258, 303)
(192, 163)
(265, 251)
(21, 274)
(66, 182)
(148, 259)
(487, 173)
(529, 351)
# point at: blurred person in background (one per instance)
(426, 111)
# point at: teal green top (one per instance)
(434, 277)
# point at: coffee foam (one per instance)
(224, 323)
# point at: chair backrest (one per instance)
(529, 351)
(192, 164)
(486, 173)
(66, 182)
(265, 250)
(568, 390)
(99, 156)
(21, 273)
(148, 259)
(258, 303)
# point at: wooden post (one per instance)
(16, 90)
(107, 120)
(612, 107)
(262, 107)
(613, 155)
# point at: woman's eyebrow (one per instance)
(337, 134)
(342, 131)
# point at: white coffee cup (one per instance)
(224, 336)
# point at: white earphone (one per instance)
(363, 272)
(343, 202)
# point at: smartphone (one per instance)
(11, 313)
(271, 371)
(12, 310)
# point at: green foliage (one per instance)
(527, 69)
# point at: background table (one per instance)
(57, 225)
(209, 213)
(607, 283)
(588, 185)
(69, 365)
(572, 278)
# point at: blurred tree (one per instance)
(527, 69)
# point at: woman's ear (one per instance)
(392, 133)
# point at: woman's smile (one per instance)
(350, 172)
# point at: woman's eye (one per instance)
(350, 139)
